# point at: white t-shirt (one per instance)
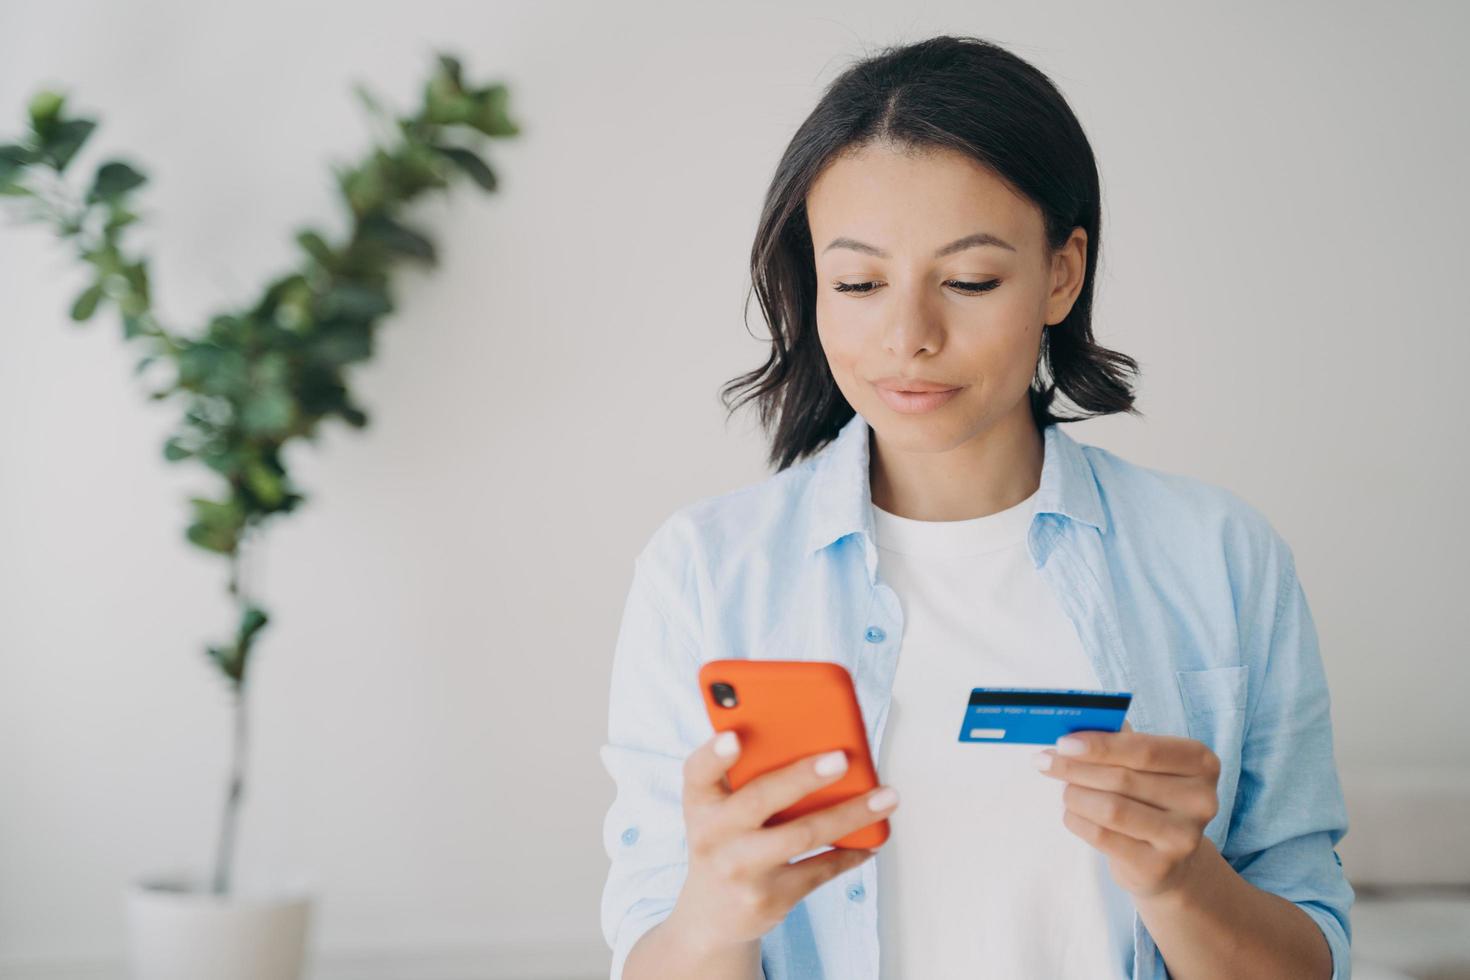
(980, 877)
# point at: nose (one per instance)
(913, 326)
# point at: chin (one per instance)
(933, 431)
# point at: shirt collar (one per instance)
(840, 494)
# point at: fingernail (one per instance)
(883, 799)
(726, 744)
(1042, 760)
(1067, 745)
(831, 763)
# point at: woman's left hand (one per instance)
(1142, 800)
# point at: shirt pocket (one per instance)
(1214, 709)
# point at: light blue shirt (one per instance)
(1180, 591)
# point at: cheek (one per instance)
(1010, 318)
(994, 350)
(842, 343)
(1008, 341)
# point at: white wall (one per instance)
(1284, 245)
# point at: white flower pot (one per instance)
(179, 930)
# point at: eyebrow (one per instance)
(958, 245)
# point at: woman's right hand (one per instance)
(740, 884)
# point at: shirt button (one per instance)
(630, 835)
(856, 892)
(874, 634)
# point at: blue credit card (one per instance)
(1039, 715)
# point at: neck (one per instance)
(994, 469)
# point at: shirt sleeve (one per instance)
(1289, 811)
(656, 718)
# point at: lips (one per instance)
(915, 402)
(913, 385)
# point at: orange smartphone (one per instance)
(785, 710)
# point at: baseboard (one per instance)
(512, 961)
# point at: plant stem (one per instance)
(232, 802)
(225, 853)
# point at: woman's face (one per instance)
(899, 227)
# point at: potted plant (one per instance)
(250, 382)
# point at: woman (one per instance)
(933, 228)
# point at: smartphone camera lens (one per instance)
(724, 694)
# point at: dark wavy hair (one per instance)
(958, 93)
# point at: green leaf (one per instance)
(264, 483)
(117, 217)
(174, 451)
(226, 513)
(86, 303)
(354, 300)
(63, 142)
(470, 163)
(448, 108)
(211, 539)
(316, 247)
(114, 178)
(273, 368)
(268, 412)
(445, 100)
(450, 65)
(196, 362)
(228, 660)
(365, 187)
(343, 342)
(415, 168)
(293, 311)
(13, 161)
(45, 107)
(136, 274)
(490, 115)
(398, 238)
(270, 300)
(216, 525)
(226, 464)
(212, 368)
(252, 620)
(319, 389)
